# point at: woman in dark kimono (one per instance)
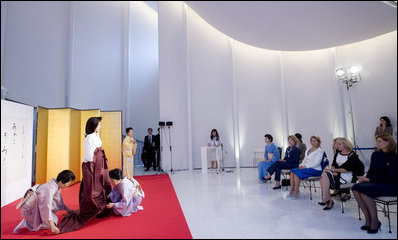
(95, 185)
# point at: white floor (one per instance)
(235, 205)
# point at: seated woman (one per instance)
(271, 155)
(290, 161)
(345, 168)
(302, 147)
(311, 166)
(39, 207)
(126, 195)
(381, 180)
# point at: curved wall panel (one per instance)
(280, 93)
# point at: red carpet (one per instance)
(162, 216)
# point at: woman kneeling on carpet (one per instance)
(126, 195)
(41, 202)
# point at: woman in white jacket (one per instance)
(311, 166)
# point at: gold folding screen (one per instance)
(60, 138)
(111, 137)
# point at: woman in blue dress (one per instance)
(271, 155)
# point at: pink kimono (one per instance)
(41, 207)
(127, 197)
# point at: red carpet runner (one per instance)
(162, 216)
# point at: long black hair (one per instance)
(388, 122)
(211, 134)
(92, 124)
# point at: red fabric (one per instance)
(162, 217)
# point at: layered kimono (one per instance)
(129, 149)
(40, 206)
(127, 197)
(94, 189)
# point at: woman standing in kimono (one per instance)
(129, 148)
(126, 195)
(40, 204)
(95, 185)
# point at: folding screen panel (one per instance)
(74, 144)
(111, 136)
(16, 150)
(41, 145)
(58, 138)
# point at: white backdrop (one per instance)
(16, 150)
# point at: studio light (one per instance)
(349, 77)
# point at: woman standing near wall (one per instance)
(129, 148)
(384, 127)
(215, 143)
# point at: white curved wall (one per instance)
(76, 54)
(280, 93)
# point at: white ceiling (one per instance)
(298, 25)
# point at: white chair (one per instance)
(258, 155)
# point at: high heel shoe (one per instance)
(364, 227)
(324, 203)
(328, 208)
(375, 230)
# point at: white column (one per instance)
(127, 80)
(189, 93)
(285, 122)
(235, 107)
(70, 50)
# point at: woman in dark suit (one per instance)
(381, 180)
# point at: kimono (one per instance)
(94, 189)
(129, 149)
(41, 206)
(127, 197)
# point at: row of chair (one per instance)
(383, 203)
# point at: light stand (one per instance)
(159, 170)
(349, 79)
(168, 124)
